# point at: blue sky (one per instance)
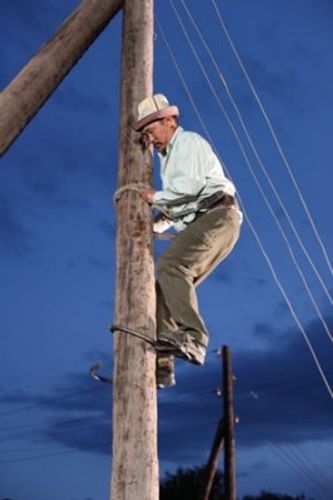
(57, 244)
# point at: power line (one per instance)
(273, 133)
(261, 164)
(302, 460)
(284, 457)
(22, 432)
(254, 232)
(326, 328)
(312, 465)
(47, 401)
(38, 457)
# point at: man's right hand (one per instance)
(147, 194)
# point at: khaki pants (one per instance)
(191, 256)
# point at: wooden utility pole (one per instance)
(224, 435)
(213, 461)
(135, 465)
(229, 422)
(24, 96)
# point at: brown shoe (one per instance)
(165, 372)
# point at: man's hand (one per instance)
(147, 194)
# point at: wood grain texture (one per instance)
(135, 464)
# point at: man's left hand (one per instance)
(147, 194)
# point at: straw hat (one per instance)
(154, 108)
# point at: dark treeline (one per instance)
(187, 484)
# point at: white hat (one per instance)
(154, 108)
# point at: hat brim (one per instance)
(157, 115)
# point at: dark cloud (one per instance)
(286, 85)
(221, 274)
(15, 238)
(282, 308)
(108, 228)
(234, 266)
(109, 304)
(307, 54)
(74, 99)
(265, 330)
(82, 412)
(39, 172)
(260, 466)
(86, 434)
(103, 265)
(38, 175)
(74, 203)
(258, 282)
(24, 28)
(279, 397)
(34, 15)
(88, 498)
(48, 179)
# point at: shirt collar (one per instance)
(169, 147)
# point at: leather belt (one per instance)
(225, 201)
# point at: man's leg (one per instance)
(165, 370)
(165, 363)
(193, 254)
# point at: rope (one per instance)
(132, 186)
(136, 188)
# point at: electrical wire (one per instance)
(270, 182)
(38, 457)
(274, 135)
(312, 465)
(284, 236)
(19, 434)
(279, 451)
(308, 468)
(270, 265)
(47, 401)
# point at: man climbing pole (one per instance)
(199, 202)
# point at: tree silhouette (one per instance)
(267, 495)
(187, 484)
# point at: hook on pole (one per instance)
(96, 376)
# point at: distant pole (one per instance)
(134, 464)
(29, 90)
(229, 421)
(213, 461)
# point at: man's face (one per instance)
(159, 133)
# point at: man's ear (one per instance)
(170, 121)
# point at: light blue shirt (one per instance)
(190, 167)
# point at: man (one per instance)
(200, 203)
